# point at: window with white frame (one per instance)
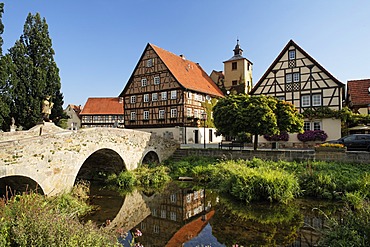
(288, 78)
(173, 113)
(149, 62)
(291, 54)
(133, 116)
(173, 216)
(144, 82)
(157, 80)
(188, 112)
(146, 97)
(173, 197)
(196, 113)
(156, 229)
(163, 213)
(161, 114)
(133, 99)
(296, 77)
(146, 115)
(316, 99)
(154, 96)
(315, 125)
(189, 95)
(173, 94)
(164, 95)
(305, 100)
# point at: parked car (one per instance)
(355, 142)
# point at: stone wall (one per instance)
(275, 155)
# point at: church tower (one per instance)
(238, 73)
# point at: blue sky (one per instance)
(98, 43)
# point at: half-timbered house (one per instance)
(298, 78)
(102, 112)
(169, 95)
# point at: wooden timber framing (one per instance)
(166, 90)
(297, 78)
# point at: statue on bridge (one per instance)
(47, 105)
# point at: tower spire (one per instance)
(238, 50)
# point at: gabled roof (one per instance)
(75, 108)
(358, 92)
(189, 75)
(292, 43)
(103, 106)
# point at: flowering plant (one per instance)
(312, 135)
(332, 145)
(283, 136)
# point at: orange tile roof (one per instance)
(189, 74)
(103, 106)
(358, 92)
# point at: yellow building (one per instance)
(237, 73)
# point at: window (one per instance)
(196, 113)
(280, 97)
(133, 116)
(143, 82)
(146, 115)
(316, 100)
(154, 96)
(288, 78)
(195, 195)
(189, 95)
(291, 54)
(312, 126)
(164, 95)
(234, 66)
(188, 112)
(146, 97)
(156, 229)
(173, 94)
(188, 198)
(163, 213)
(149, 62)
(133, 99)
(305, 100)
(161, 114)
(157, 80)
(173, 113)
(296, 77)
(234, 83)
(173, 197)
(316, 126)
(173, 216)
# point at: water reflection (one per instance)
(175, 217)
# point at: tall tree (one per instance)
(4, 87)
(36, 74)
(257, 115)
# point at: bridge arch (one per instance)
(17, 184)
(100, 164)
(150, 157)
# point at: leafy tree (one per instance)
(257, 115)
(35, 74)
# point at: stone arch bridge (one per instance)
(51, 158)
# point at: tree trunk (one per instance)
(255, 143)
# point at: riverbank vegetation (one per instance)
(36, 220)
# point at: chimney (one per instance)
(182, 56)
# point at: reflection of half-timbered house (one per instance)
(297, 78)
(168, 95)
(102, 112)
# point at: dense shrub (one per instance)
(312, 135)
(34, 220)
(283, 136)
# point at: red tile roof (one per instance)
(103, 106)
(189, 74)
(358, 92)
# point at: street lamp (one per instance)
(204, 118)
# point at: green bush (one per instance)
(33, 220)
